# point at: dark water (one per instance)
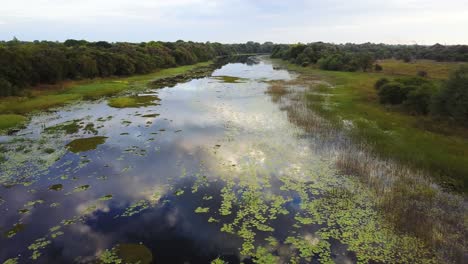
(214, 170)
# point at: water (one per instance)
(215, 170)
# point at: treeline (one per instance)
(354, 57)
(418, 95)
(26, 64)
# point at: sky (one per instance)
(424, 22)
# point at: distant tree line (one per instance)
(26, 64)
(354, 57)
(418, 95)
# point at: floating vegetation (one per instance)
(56, 187)
(201, 210)
(127, 253)
(85, 144)
(81, 188)
(133, 101)
(136, 208)
(18, 227)
(150, 115)
(106, 197)
(70, 127)
(90, 129)
(179, 192)
(11, 261)
(39, 244)
(230, 79)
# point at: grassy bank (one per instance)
(14, 109)
(436, 147)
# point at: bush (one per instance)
(392, 93)
(378, 68)
(419, 99)
(422, 74)
(452, 100)
(380, 82)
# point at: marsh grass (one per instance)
(438, 148)
(406, 197)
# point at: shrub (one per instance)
(392, 93)
(422, 74)
(378, 68)
(380, 82)
(419, 99)
(452, 100)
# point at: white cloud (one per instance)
(406, 21)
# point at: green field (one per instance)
(14, 109)
(436, 147)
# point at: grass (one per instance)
(11, 120)
(435, 147)
(62, 94)
(435, 70)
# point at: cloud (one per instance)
(404, 21)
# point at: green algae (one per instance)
(85, 144)
(133, 101)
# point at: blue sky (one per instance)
(391, 21)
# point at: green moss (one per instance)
(106, 197)
(11, 120)
(133, 101)
(85, 144)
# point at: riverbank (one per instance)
(14, 110)
(350, 102)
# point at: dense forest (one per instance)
(353, 57)
(25, 64)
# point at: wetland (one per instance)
(230, 164)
